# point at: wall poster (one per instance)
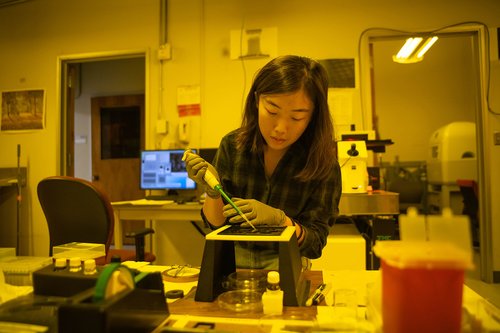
(23, 110)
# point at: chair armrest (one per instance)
(139, 233)
(139, 236)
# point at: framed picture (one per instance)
(23, 110)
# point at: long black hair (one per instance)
(288, 74)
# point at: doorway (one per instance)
(410, 101)
(111, 87)
(117, 140)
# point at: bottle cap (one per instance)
(89, 266)
(75, 262)
(60, 263)
(273, 277)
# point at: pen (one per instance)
(318, 295)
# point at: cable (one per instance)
(18, 201)
(198, 228)
(242, 60)
(345, 162)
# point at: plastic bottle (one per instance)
(89, 267)
(272, 299)
(75, 264)
(60, 264)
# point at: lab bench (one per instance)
(185, 314)
(375, 216)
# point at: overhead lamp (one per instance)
(414, 49)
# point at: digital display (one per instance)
(164, 170)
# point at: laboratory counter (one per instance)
(188, 305)
(186, 314)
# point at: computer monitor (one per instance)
(208, 154)
(164, 170)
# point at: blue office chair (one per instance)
(77, 211)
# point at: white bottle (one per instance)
(272, 299)
(60, 264)
(89, 267)
(75, 264)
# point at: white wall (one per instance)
(35, 33)
(414, 100)
(32, 37)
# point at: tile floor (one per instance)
(490, 291)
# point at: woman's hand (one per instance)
(196, 168)
(255, 211)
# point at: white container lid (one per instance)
(423, 254)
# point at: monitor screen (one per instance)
(208, 154)
(164, 170)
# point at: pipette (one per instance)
(214, 183)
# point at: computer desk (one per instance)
(171, 212)
(359, 204)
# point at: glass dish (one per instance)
(255, 280)
(241, 301)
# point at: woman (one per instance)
(280, 166)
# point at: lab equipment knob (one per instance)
(353, 151)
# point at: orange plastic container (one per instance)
(422, 286)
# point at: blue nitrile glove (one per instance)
(196, 168)
(257, 212)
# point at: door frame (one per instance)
(66, 135)
(482, 121)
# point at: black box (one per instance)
(50, 282)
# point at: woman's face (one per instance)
(284, 117)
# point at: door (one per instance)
(117, 140)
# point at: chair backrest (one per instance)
(76, 211)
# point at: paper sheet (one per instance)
(143, 202)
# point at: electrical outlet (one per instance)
(496, 138)
(162, 126)
(165, 52)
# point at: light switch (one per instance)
(162, 126)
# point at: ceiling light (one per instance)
(426, 46)
(413, 50)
